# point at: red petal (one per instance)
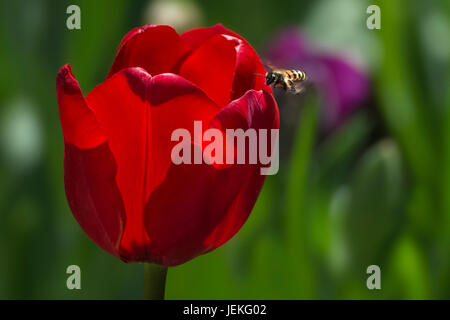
(139, 114)
(89, 168)
(211, 205)
(248, 63)
(154, 48)
(93, 196)
(195, 37)
(248, 71)
(79, 125)
(186, 207)
(256, 110)
(211, 67)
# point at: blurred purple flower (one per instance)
(343, 88)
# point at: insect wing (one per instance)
(298, 87)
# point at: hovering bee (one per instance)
(292, 80)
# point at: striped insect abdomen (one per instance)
(299, 75)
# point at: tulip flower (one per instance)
(343, 87)
(121, 185)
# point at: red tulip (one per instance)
(120, 183)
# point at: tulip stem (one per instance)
(154, 281)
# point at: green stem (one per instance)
(154, 281)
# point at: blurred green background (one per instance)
(374, 190)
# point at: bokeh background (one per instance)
(370, 186)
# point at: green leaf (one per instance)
(375, 205)
(302, 272)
